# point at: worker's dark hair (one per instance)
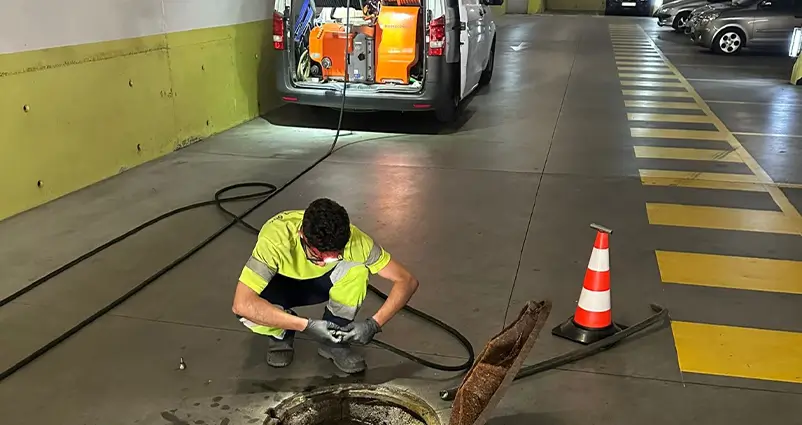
(326, 225)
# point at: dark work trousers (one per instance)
(289, 293)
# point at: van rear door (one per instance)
(470, 15)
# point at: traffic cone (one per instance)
(593, 319)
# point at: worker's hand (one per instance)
(322, 330)
(361, 332)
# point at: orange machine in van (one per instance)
(396, 40)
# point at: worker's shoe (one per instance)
(343, 357)
(280, 352)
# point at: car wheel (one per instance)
(487, 74)
(729, 41)
(681, 21)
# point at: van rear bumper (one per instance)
(436, 90)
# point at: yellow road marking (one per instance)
(790, 136)
(649, 76)
(720, 218)
(690, 154)
(702, 184)
(679, 176)
(670, 133)
(776, 193)
(644, 69)
(655, 93)
(660, 105)
(645, 58)
(668, 117)
(722, 271)
(637, 63)
(738, 352)
(650, 83)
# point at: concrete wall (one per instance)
(89, 88)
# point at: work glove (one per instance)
(361, 332)
(321, 330)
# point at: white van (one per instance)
(398, 55)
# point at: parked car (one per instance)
(759, 23)
(693, 18)
(636, 7)
(676, 13)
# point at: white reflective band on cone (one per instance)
(594, 301)
(599, 260)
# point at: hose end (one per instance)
(448, 395)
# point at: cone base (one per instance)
(571, 331)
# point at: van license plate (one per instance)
(628, 4)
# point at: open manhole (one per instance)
(481, 389)
(354, 404)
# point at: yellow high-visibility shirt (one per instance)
(279, 250)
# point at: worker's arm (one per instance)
(248, 304)
(404, 286)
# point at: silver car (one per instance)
(759, 23)
(676, 13)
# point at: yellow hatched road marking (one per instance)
(650, 83)
(679, 176)
(738, 352)
(702, 184)
(722, 271)
(668, 117)
(691, 154)
(670, 133)
(660, 105)
(656, 93)
(649, 76)
(653, 57)
(638, 63)
(720, 218)
(645, 69)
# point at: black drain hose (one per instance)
(660, 314)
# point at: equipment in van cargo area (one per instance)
(327, 46)
(397, 41)
(382, 42)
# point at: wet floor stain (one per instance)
(226, 407)
(218, 398)
(225, 421)
(215, 404)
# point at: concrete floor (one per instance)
(488, 214)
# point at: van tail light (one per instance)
(278, 31)
(437, 36)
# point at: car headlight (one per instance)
(708, 18)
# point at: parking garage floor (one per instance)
(694, 161)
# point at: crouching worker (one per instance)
(316, 256)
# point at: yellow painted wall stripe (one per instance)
(657, 84)
(184, 86)
(660, 105)
(668, 117)
(720, 218)
(649, 76)
(738, 352)
(691, 154)
(666, 133)
(722, 271)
